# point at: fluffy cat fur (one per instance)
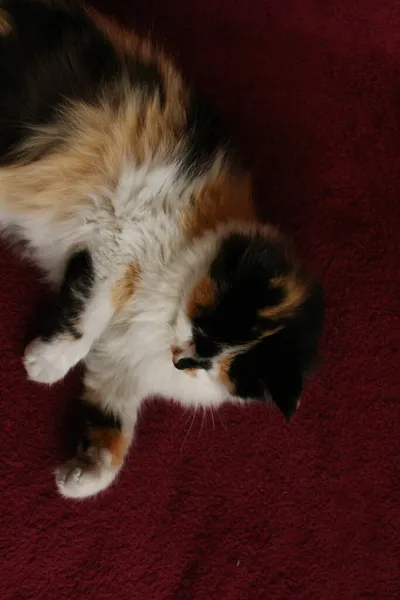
(129, 195)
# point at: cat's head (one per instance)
(255, 318)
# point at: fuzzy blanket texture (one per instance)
(243, 506)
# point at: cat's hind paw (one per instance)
(50, 361)
(83, 477)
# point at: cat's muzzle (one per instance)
(186, 358)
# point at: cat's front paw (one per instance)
(50, 361)
(83, 477)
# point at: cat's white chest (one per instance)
(144, 189)
(140, 219)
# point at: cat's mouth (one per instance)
(185, 358)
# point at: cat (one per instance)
(131, 197)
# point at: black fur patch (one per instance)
(55, 55)
(91, 416)
(242, 272)
(94, 416)
(279, 352)
(75, 290)
(275, 368)
(192, 363)
(147, 77)
(206, 135)
(206, 346)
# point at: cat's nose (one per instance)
(186, 363)
(187, 351)
(192, 363)
(186, 358)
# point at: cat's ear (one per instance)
(285, 389)
(269, 371)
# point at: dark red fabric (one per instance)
(245, 507)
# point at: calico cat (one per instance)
(130, 196)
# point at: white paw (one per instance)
(47, 362)
(81, 478)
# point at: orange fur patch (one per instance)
(175, 350)
(191, 372)
(295, 291)
(224, 366)
(203, 294)
(97, 142)
(128, 43)
(225, 197)
(125, 41)
(111, 439)
(125, 287)
(269, 332)
(5, 25)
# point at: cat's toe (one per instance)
(80, 478)
(47, 362)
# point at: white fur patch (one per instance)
(48, 362)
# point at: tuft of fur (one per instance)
(131, 197)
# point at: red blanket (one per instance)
(243, 506)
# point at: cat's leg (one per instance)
(106, 431)
(82, 312)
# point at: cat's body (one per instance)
(129, 198)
